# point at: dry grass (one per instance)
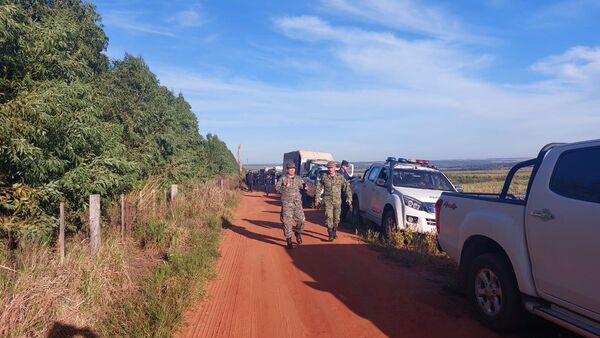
(90, 291)
(41, 291)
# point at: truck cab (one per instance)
(399, 194)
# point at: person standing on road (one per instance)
(264, 182)
(250, 180)
(332, 185)
(289, 186)
(344, 167)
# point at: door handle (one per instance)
(544, 214)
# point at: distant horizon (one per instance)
(506, 159)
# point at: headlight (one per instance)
(412, 203)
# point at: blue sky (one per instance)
(367, 79)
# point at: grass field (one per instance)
(489, 181)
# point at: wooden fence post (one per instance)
(153, 193)
(61, 233)
(95, 239)
(174, 190)
(122, 216)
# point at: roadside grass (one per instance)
(137, 287)
(412, 249)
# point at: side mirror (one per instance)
(380, 182)
(459, 188)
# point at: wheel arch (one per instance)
(388, 207)
(475, 246)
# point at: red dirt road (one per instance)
(339, 289)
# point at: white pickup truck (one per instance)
(540, 252)
(399, 194)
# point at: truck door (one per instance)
(379, 194)
(368, 189)
(563, 228)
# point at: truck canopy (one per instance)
(301, 157)
(309, 155)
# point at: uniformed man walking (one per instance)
(250, 180)
(289, 186)
(344, 167)
(332, 185)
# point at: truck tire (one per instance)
(356, 217)
(493, 292)
(388, 223)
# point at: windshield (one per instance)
(421, 179)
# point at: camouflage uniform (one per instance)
(291, 204)
(332, 197)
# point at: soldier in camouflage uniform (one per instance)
(332, 185)
(289, 186)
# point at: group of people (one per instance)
(336, 192)
(263, 180)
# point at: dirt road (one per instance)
(339, 289)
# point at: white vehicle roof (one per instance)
(413, 166)
(408, 166)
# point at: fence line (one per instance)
(95, 231)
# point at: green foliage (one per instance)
(73, 124)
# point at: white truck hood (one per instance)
(423, 195)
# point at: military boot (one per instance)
(330, 232)
(335, 233)
(289, 243)
(298, 238)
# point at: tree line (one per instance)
(74, 123)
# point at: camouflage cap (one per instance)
(331, 164)
(290, 165)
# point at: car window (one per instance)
(577, 175)
(373, 173)
(421, 179)
(383, 174)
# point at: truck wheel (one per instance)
(389, 224)
(494, 293)
(356, 218)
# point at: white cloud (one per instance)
(189, 18)
(410, 16)
(578, 65)
(129, 21)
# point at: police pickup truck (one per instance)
(399, 194)
(540, 252)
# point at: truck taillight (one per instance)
(438, 208)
